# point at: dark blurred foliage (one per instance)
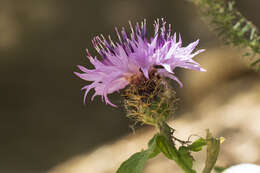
(43, 120)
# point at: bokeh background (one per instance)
(43, 121)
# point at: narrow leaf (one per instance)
(197, 145)
(213, 146)
(219, 169)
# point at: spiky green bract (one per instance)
(150, 101)
(232, 27)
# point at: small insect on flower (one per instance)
(135, 59)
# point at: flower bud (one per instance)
(150, 101)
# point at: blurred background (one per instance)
(43, 120)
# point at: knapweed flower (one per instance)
(135, 59)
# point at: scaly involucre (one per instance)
(135, 56)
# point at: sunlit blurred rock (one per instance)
(243, 168)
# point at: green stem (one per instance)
(166, 131)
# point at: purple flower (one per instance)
(135, 56)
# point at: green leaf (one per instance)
(155, 149)
(155, 152)
(136, 162)
(166, 148)
(213, 146)
(186, 156)
(152, 141)
(197, 145)
(219, 169)
(182, 156)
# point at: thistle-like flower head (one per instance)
(135, 58)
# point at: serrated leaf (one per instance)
(136, 162)
(197, 145)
